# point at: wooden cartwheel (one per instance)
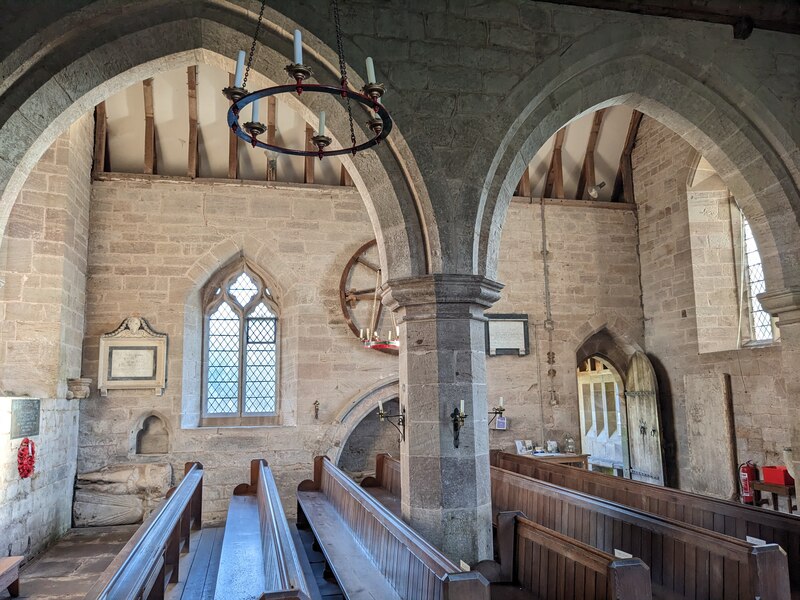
(357, 294)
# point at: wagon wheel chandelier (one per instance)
(380, 122)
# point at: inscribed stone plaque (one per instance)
(132, 363)
(24, 417)
(507, 334)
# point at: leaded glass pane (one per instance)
(260, 364)
(243, 289)
(760, 319)
(223, 361)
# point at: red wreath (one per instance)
(26, 458)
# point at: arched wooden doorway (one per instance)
(645, 441)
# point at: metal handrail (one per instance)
(131, 570)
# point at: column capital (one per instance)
(784, 304)
(438, 289)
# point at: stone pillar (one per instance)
(785, 305)
(446, 490)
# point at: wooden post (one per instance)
(272, 167)
(100, 138)
(524, 185)
(344, 178)
(191, 168)
(233, 146)
(308, 176)
(623, 186)
(149, 128)
(554, 186)
(587, 177)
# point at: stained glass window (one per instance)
(241, 343)
(760, 320)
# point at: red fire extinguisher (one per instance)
(748, 473)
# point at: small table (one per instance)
(575, 460)
(776, 490)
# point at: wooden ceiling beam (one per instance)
(308, 172)
(192, 160)
(524, 185)
(100, 139)
(623, 185)
(272, 160)
(586, 180)
(233, 146)
(743, 15)
(149, 128)
(554, 185)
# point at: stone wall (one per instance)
(593, 286)
(662, 164)
(43, 265)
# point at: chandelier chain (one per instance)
(253, 46)
(343, 70)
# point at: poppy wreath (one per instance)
(26, 458)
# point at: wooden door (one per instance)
(644, 425)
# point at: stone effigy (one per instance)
(119, 494)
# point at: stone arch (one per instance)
(612, 348)
(83, 58)
(740, 128)
(356, 410)
(150, 435)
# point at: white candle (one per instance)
(322, 122)
(254, 116)
(237, 80)
(370, 70)
(501, 402)
(380, 406)
(462, 406)
(361, 334)
(298, 47)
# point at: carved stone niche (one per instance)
(120, 494)
(153, 436)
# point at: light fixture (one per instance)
(594, 191)
(401, 419)
(380, 122)
(370, 336)
(497, 410)
(458, 417)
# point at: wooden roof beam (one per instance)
(623, 186)
(192, 160)
(149, 128)
(272, 160)
(100, 139)
(308, 173)
(233, 146)
(554, 185)
(586, 180)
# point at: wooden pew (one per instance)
(722, 516)
(685, 561)
(552, 565)
(372, 553)
(259, 562)
(528, 551)
(150, 559)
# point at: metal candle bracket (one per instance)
(458, 419)
(401, 421)
(497, 410)
(380, 125)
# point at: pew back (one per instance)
(414, 568)
(722, 516)
(150, 559)
(387, 474)
(685, 561)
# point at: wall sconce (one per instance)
(316, 409)
(497, 410)
(401, 420)
(458, 417)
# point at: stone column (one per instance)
(785, 305)
(446, 490)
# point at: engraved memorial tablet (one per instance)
(24, 417)
(133, 356)
(507, 334)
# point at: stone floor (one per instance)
(67, 570)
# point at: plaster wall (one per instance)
(661, 165)
(43, 266)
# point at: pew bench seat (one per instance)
(241, 547)
(9, 574)
(357, 575)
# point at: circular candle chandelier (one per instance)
(380, 122)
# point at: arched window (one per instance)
(761, 323)
(240, 348)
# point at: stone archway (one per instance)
(87, 56)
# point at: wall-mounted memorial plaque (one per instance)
(133, 356)
(507, 334)
(24, 417)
